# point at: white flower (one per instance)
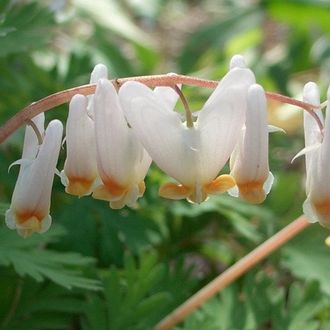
(80, 170)
(193, 156)
(317, 153)
(29, 209)
(249, 161)
(122, 162)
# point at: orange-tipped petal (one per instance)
(252, 192)
(322, 210)
(109, 191)
(79, 186)
(220, 185)
(174, 191)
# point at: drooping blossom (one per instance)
(193, 156)
(122, 161)
(29, 209)
(317, 154)
(249, 160)
(80, 174)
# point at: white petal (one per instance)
(33, 188)
(168, 141)
(306, 151)
(322, 181)
(221, 120)
(274, 129)
(80, 142)
(268, 183)
(309, 211)
(31, 143)
(251, 160)
(237, 61)
(100, 71)
(120, 156)
(167, 95)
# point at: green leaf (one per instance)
(24, 28)
(29, 257)
(308, 257)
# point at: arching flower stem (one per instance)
(189, 118)
(65, 96)
(232, 273)
(36, 130)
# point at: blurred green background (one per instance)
(103, 269)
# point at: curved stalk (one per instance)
(61, 97)
(232, 273)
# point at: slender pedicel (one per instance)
(65, 96)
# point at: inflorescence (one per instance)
(113, 135)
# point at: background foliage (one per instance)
(104, 269)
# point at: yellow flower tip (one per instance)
(142, 188)
(28, 223)
(220, 184)
(174, 191)
(322, 209)
(252, 192)
(110, 190)
(79, 186)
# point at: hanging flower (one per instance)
(122, 162)
(80, 170)
(317, 154)
(192, 155)
(249, 160)
(29, 209)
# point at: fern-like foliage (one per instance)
(260, 304)
(30, 257)
(137, 296)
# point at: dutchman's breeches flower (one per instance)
(80, 171)
(29, 209)
(122, 162)
(249, 161)
(192, 155)
(317, 153)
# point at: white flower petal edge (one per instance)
(249, 161)
(29, 209)
(80, 170)
(122, 162)
(317, 205)
(100, 71)
(193, 156)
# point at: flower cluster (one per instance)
(113, 136)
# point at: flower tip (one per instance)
(256, 91)
(237, 61)
(311, 93)
(252, 192)
(100, 71)
(78, 101)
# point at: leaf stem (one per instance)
(64, 96)
(232, 273)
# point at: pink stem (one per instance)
(232, 273)
(59, 98)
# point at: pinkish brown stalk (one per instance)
(65, 96)
(232, 273)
